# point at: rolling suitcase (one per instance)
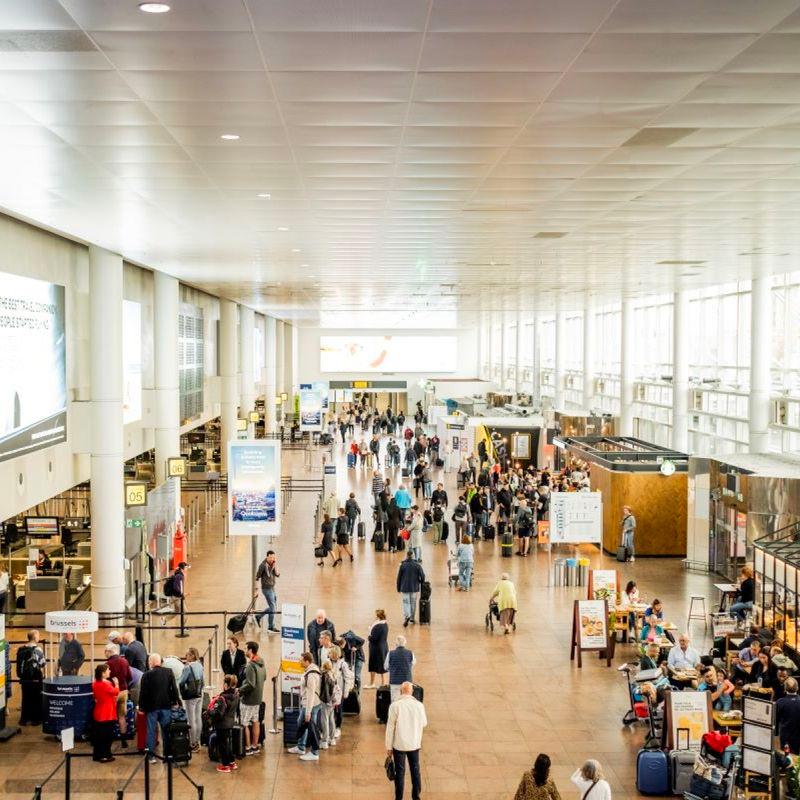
(178, 744)
(379, 541)
(622, 554)
(424, 612)
(213, 748)
(406, 472)
(382, 702)
(237, 741)
(351, 705)
(489, 533)
(652, 772)
(130, 719)
(141, 730)
(445, 530)
(681, 764)
(291, 723)
(362, 530)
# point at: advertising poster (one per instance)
(33, 391)
(388, 353)
(689, 710)
(604, 583)
(310, 409)
(254, 474)
(293, 637)
(576, 517)
(592, 624)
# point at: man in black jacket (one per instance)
(410, 578)
(439, 496)
(158, 693)
(314, 629)
(787, 717)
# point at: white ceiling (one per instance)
(414, 149)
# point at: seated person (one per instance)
(745, 660)
(745, 596)
(720, 687)
(683, 656)
(763, 673)
(654, 621)
(651, 657)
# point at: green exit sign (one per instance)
(133, 523)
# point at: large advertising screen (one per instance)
(388, 353)
(310, 408)
(33, 365)
(132, 361)
(254, 476)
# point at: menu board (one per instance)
(576, 517)
(590, 629)
(604, 581)
(688, 711)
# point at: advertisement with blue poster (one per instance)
(254, 474)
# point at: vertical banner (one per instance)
(293, 637)
(310, 408)
(254, 475)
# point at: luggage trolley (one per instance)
(641, 709)
(452, 570)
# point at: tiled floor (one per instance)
(493, 701)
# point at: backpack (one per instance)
(216, 710)
(169, 586)
(460, 512)
(438, 514)
(29, 669)
(325, 687)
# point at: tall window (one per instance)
(547, 342)
(573, 347)
(786, 333)
(607, 330)
(652, 325)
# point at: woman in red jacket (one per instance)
(105, 693)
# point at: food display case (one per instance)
(776, 561)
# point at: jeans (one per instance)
(465, 574)
(417, 551)
(272, 604)
(427, 489)
(741, 609)
(400, 757)
(309, 730)
(409, 604)
(627, 541)
(161, 717)
(357, 667)
(194, 709)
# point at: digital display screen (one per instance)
(33, 390)
(41, 526)
(388, 353)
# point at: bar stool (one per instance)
(697, 598)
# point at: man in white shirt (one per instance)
(404, 739)
(682, 656)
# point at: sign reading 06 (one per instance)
(135, 494)
(176, 467)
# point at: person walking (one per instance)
(628, 533)
(325, 541)
(410, 577)
(378, 639)
(536, 783)
(415, 533)
(104, 714)
(393, 521)
(70, 655)
(524, 523)
(352, 510)
(30, 671)
(506, 595)
(377, 488)
(158, 694)
(437, 515)
(266, 575)
(403, 739)
(461, 517)
(590, 781)
(465, 555)
(251, 693)
(310, 707)
(342, 537)
(190, 686)
(404, 502)
(400, 665)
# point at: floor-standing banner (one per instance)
(293, 637)
(310, 408)
(254, 482)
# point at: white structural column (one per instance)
(536, 363)
(626, 369)
(107, 456)
(479, 348)
(229, 396)
(247, 390)
(280, 360)
(680, 371)
(167, 401)
(760, 361)
(270, 382)
(588, 357)
(503, 349)
(560, 360)
(518, 346)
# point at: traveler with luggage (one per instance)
(314, 629)
(266, 575)
(233, 660)
(404, 726)
(310, 708)
(251, 694)
(505, 595)
(394, 518)
(104, 714)
(190, 686)
(410, 577)
(415, 533)
(536, 783)
(352, 511)
(342, 537)
(524, 523)
(628, 532)
(400, 664)
(70, 655)
(222, 712)
(461, 517)
(477, 509)
(120, 669)
(324, 544)
(158, 694)
(465, 555)
(327, 722)
(30, 671)
(437, 515)
(378, 639)
(590, 781)
(352, 647)
(403, 500)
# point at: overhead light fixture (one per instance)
(265, 195)
(154, 8)
(295, 249)
(282, 228)
(229, 137)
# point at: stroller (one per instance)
(494, 614)
(452, 570)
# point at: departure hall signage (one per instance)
(369, 384)
(135, 494)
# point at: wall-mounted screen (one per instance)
(388, 353)
(33, 365)
(131, 361)
(254, 476)
(41, 527)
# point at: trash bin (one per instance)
(583, 575)
(558, 572)
(507, 545)
(571, 572)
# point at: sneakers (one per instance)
(368, 686)
(250, 751)
(323, 745)
(296, 751)
(309, 757)
(338, 733)
(331, 743)
(234, 766)
(152, 760)
(633, 558)
(405, 622)
(221, 768)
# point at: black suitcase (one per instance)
(424, 612)
(291, 723)
(419, 692)
(351, 705)
(237, 741)
(178, 744)
(401, 544)
(383, 700)
(406, 472)
(445, 530)
(362, 530)
(425, 590)
(622, 554)
(489, 532)
(213, 749)
(379, 541)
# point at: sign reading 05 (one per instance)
(176, 467)
(135, 494)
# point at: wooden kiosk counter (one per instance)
(652, 480)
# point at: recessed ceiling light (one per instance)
(282, 228)
(295, 249)
(229, 137)
(154, 8)
(265, 195)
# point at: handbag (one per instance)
(405, 534)
(388, 765)
(320, 552)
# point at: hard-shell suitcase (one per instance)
(213, 746)
(382, 702)
(425, 590)
(362, 530)
(622, 554)
(489, 533)
(178, 744)
(406, 472)
(445, 530)
(130, 720)
(237, 741)
(681, 763)
(424, 612)
(141, 730)
(291, 723)
(351, 705)
(652, 772)
(379, 541)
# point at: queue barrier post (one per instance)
(146, 778)
(182, 634)
(67, 774)
(274, 728)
